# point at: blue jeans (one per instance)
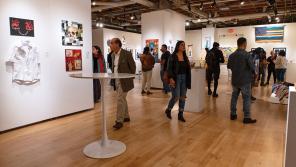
(166, 87)
(179, 93)
(246, 92)
(280, 74)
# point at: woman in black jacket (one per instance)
(179, 74)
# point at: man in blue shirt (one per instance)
(242, 67)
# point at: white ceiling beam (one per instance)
(145, 3)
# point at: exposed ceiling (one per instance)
(126, 14)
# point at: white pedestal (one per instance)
(290, 146)
(195, 101)
(156, 80)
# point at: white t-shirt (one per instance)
(26, 65)
(116, 60)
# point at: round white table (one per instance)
(103, 148)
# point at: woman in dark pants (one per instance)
(99, 66)
(271, 67)
(179, 74)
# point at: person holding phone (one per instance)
(179, 74)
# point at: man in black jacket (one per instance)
(213, 59)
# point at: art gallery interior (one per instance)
(48, 116)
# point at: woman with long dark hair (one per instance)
(179, 74)
(148, 62)
(99, 66)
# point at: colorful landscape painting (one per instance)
(269, 34)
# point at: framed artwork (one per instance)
(227, 51)
(72, 33)
(21, 27)
(277, 50)
(269, 34)
(190, 50)
(73, 60)
(137, 56)
(153, 45)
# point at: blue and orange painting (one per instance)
(269, 34)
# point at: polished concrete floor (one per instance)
(207, 139)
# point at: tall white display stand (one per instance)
(290, 146)
(156, 80)
(195, 101)
(103, 148)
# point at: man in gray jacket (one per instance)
(122, 62)
(242, 67)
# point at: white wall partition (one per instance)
(56, 94)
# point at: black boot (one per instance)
(210, 92)
(168, 113)
(249, 121)
(180, 117)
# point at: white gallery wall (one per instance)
(56, 94)
(249, 33)
(100, 36)
(227, 38)
(194, 38)
(160, 25)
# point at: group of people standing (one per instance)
(275, 64)
(175, 74)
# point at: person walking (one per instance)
(213, 59)
(179, 74)
(271, 67)
(99, 66)
(122, 62)
(281, 66)
(164, 62)
(148, 62)
(262, 68)
(242, 67)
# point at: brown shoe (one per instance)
(149, 93)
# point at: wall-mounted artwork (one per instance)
(153, 45)
(73, 60)
(190, 50)
(21, 27)
(277, 50)
(72, 33)
(269, 34)
(25, 63)
(227, 51)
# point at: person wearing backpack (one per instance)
(148, 62)
(213, 59)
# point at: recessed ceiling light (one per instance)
(93, 3)
(198, 20)
(187, 23)
(132, 17)
(242, 2)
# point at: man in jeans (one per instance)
(122, 62)
(242, 67)
(164, 63)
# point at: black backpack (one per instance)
(211, 59)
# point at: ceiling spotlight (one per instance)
(99, 25)
(199, 20)
(201, 6)
(187, 23)
(132, 17)
(93, 3)
(277, 19)
(242, 2)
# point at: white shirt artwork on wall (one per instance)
(25, 63)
